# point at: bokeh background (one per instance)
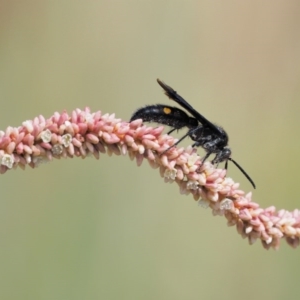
(87, 229)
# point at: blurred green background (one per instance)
(87, 229)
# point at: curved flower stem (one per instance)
(84, 133)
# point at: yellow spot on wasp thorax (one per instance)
(167, 110)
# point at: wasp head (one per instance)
(222, 155)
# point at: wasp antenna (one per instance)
(243, 171)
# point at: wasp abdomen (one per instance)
(166, 115)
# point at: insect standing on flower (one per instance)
(212, 138)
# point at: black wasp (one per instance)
(212, 138)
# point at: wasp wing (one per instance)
(183, 103)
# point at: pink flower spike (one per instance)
(4, 142)
(84, 133)
(11, 147)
